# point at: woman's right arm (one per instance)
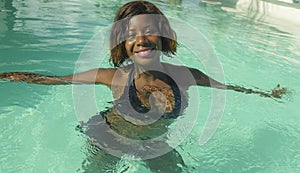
(94, 76)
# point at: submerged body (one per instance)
(120, 129)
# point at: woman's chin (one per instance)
(146, 61)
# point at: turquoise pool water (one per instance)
(38, 122)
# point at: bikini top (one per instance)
(130, 105)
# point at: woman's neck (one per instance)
(143, 69)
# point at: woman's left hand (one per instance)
(278, 91)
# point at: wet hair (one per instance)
(118, 33)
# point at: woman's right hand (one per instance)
(101, 76)
(31, 78)
(14, 76)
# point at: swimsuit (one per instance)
(130, 104)
(110, 129)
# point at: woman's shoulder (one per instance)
(181, 73)
(115, 71)
(115, 76)
(176, 68)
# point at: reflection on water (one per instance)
(6, 16)
(48, 24)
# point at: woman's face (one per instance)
(143, 43)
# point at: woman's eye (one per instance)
(149, 32)
(131, 35)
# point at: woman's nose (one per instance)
(140, 39)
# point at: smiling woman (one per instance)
(125, 26)
(143, 43)
(148, 94)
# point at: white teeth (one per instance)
(144, 53)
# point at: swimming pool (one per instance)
(38, 122)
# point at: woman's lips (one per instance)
(144, 53)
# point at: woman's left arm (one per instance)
(204, 80)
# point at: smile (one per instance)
(143, 53)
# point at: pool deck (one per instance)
(278, 9)
(283, 14)
(284, 9)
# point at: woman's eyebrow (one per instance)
(131, 29)
(145, 27)
(150, 26)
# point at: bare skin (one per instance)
(143, 47)
(105, 77)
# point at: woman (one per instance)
(148, 94)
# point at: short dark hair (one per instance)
(118, 52)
